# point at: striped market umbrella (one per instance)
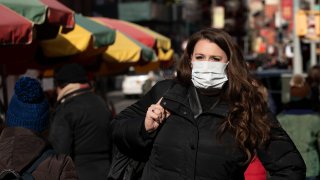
(91, 37)
(40, 11)
(88, 38)
(148, 37)
(44, 16)
(126, 49)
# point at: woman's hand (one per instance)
(156, 115)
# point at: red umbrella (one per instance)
(23, 23)
(59, 14)
(14, 28)
(16, 43)
(46, 17)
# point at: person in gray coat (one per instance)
(80, 123)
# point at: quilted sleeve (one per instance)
(281, 158)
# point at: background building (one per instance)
(262, 28)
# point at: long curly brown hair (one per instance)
(247, 119)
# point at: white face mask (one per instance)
(208, 74)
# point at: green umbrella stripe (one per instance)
(102, 35)
(147, 53)
(33, 10)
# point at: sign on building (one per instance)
(218, 17)
(308, 24)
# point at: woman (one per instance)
(208, 123)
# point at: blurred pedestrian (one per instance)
(147, 85)
(313, 80)
(288, 53)
(305, 52)
(209, 123)
(22, 141)
(80, 124)
(302, 124)
(266, 95)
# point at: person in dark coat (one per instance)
(209, 123)
(22, 141)
(302, 123)
(80, 124)
(313, 80)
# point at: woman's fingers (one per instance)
(156, 115)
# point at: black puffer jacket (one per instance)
(186, 146)
(80, 128)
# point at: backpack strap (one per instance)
(47, 153)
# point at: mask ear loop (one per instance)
(190, 61)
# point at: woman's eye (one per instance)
(215, 59)
(199, 57)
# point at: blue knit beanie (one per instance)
(28, 107)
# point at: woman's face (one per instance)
(204, 50)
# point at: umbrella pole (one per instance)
(4, 87)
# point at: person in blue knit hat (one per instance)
(23, 141)
(28, 107)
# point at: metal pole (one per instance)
(246, 38)
(3, 74)
(297, 59)
(313, 55)
(280, 33)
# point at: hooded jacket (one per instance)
(19, 147)
(186, 146)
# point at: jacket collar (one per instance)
(176, 100)
(73, 94)
(220, 108)
(185, 102)
(194, 102)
